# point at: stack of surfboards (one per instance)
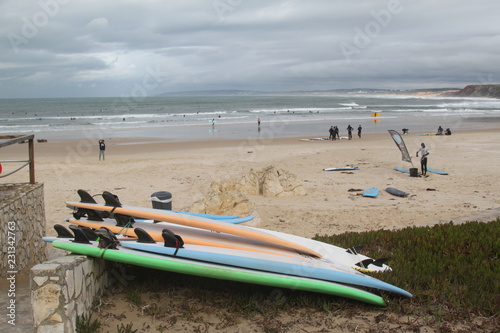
(217, 247)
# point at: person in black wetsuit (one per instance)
(424, 152)
(349, 131)
(102, 148)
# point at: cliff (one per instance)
(478, 90)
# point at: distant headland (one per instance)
(475, 90)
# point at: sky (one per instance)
(95, 48)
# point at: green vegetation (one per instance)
(452, 270)
(85, 324)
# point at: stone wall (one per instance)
(22, 226)
(64, 288)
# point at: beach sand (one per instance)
(134, 170)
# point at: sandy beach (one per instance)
(134, 169)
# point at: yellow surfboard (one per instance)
(376, 114)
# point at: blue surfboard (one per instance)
(403, 170)
(311, 268)
(372, 192)
(439, 172)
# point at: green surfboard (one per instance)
(185, 266)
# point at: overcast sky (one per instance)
(78, 48)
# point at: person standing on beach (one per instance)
(359, 131)
(258, 122)
(424, 152)
(349, 131)
(332, 133)
(102, 148)
(336, 134)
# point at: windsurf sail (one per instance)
(401, 145)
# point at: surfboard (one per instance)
(348, 257)
(304, 267)
(330, 253)
(314, 139)
(439, 172)
(403, 170)
(233, 221)
(210, 216)
(341, 169)
(376, 114)
(371, 192)
(210, 270)
(396, 192)
(199, 222)
(190, 236)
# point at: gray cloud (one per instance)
(64, 48)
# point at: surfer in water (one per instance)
(424, 152)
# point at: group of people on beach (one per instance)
(440, 131)
(334, 132)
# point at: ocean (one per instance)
(177, 118)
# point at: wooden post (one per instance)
(31, 147)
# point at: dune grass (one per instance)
(452, 270)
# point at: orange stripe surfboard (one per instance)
(206, 224)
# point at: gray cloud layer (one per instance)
(70, 48)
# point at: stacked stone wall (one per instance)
(22, 226)
(64, 288)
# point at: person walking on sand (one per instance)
(102, 148)
(349, 131)
(336, 134)
(359, 131)
(424, 152)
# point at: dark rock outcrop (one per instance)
(478, 90)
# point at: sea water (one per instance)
(236, 116)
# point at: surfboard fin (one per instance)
(85, 196)
(380, 262)
(92, 215)
(172, 240)
(89, 233)
(111, 199)
(143, 236)
(62, 232)
(80, 236)
(365, 263)
(107, 239)
(124, 220)
(354, 250)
